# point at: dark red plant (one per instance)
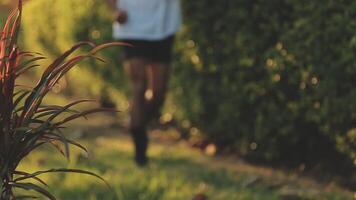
(26, 124)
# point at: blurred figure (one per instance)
(150, 26)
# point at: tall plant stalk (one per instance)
(25, 123)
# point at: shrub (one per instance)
(26, 124)
(70, 22)
(273, 79)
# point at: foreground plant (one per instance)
(26, 124)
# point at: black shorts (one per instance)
(157, 50)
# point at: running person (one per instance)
(149, 26)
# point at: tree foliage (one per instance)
(60, 24)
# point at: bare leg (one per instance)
(158, 75)
(136, 69)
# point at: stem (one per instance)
(6, 189)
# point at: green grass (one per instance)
(175, 173)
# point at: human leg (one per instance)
(158, 76)
(136, 70)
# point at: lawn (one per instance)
(175, 172)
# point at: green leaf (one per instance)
(36, 188)
(62, 170)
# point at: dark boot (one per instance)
(141, 143)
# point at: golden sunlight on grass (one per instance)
(176, 171)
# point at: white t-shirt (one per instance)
(148, 19)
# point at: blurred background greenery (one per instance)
(273, 80)
(269, 80)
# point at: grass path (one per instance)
(175, 172)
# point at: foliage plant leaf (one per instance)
(25, 123)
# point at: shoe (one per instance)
(141, 142)
(141, 160)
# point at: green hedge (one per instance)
(272, 79)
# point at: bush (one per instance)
(59, 24)
(273, 79)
